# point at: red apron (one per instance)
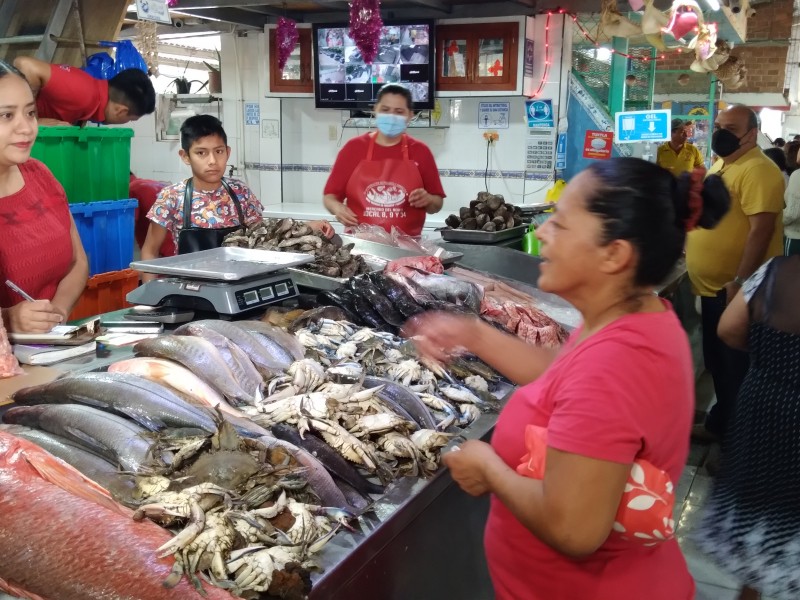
(377, 191)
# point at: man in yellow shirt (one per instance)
(678, 155)
(719, 260)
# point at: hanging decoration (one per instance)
(286, 38)
(721, 54)
(685, 16)
(597, 44)
(732, 73)
(614, 24)
(547, 57)
(147, 44)
(172, 3)
(653, 21)
(365, 27)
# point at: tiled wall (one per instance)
(304, 150)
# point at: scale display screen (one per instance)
(251, 297)
(266, 293)
(281, 289)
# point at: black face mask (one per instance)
(724, 143)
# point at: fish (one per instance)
(337, 465)
(91, 465)
(408, 400)
(243, 369)
(251, 346)
(334, 299)
(62, 537)
(148, 403)
(356, 499)
(279, 316)
(418, 293)
(363, 309)
(282, 346)
(316, 474)
(201, 357)
(450, 289)
(116, 439)
(382, 305)
(397, 295)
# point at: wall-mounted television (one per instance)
(343, 80)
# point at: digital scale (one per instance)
(225, 281)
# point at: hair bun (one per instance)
(716, 202)
(700, 201)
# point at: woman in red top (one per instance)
(385, 178)
(620, 390)
(40, 250)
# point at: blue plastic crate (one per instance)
(106, 230)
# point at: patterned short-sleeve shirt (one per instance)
(210, 210)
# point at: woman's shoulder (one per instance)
(36, 168)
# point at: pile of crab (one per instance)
(374, 400)
(244, 515)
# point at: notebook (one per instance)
(48, 355)
(60, 335)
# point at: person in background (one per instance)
(68, 96)
(146, 191)
(791, 149)
(385, 178)
(720, 260)
(678, 155)
(779, 142)
(616, 233)
(198, 213)
(791, 215)
(751, 525)
(778, 156)
(40, 250)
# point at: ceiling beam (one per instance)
(215, 27)
(438, 5)
(192, 53)
(202, 4)
(228, 15)
(529, 3)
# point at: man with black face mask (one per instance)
(719, 260)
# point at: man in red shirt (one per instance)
(68, 96)
(146, 192)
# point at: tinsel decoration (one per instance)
(365, 27)
(172, 3)
(286, 39)
(147, 44)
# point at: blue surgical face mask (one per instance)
(390, 125)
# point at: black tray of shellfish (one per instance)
(478, 236)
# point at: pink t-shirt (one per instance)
(626, 392)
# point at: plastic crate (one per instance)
(105, 293)
(92, 163)
(106, 230)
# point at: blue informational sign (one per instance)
(540, 114)
(561, 151)
(642, 126)
(252, 113)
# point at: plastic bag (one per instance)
(554, 193)
(371, 233)
(102, 66)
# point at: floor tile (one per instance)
(682, 491)
(704, 569)
(693, 506)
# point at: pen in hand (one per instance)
(19, 290)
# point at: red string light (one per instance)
(547, 57)
(598, 45)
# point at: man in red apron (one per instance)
(385, 178)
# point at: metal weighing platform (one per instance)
(226, 281)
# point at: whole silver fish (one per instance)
(148, 403)
(245, 340)
(92, 465)
(243, 369)
(283, 347)
(201, 357)
(119, 440)
(395, 393)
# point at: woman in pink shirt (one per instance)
(620, 390)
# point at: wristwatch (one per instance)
(739, 281)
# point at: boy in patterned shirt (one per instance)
(204, 147)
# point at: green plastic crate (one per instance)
(92, 163)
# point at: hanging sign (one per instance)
(597, 144)
(642, 126)
(153, 10)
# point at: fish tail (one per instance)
(69, 479)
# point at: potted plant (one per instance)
(215, 76)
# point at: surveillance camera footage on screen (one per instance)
(344, 80)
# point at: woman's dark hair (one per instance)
(200, 126)
(396, 88)
(642, 203)
(791, 149)
(133, 88)
(9, 69)
(778, 156)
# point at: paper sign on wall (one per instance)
(252, 113)
(153, 10)
(540, 113)
(540, 147)
(561, 151)
(493, 115)
(597, 144)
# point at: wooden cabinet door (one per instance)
(296, 76)
(477, 57)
